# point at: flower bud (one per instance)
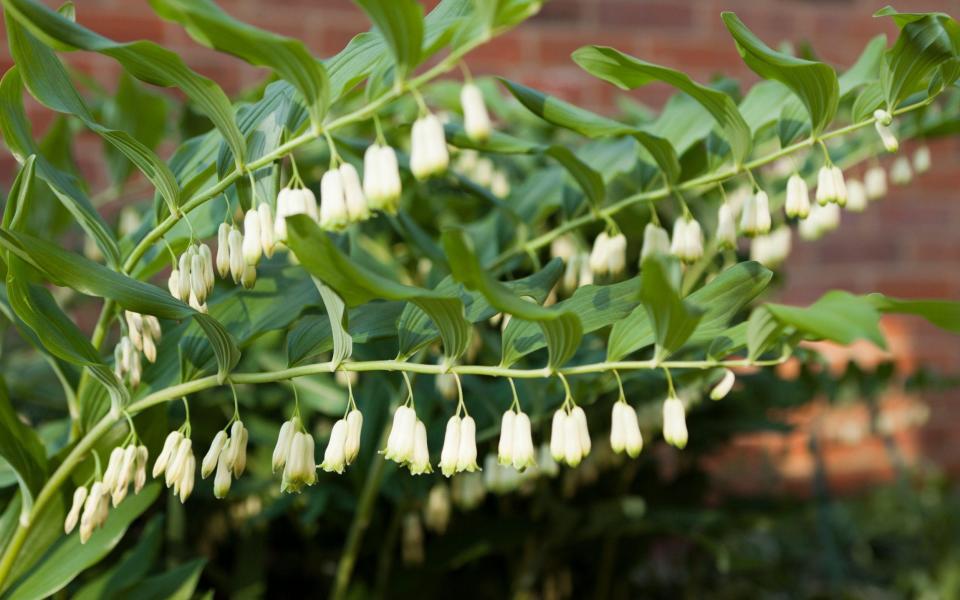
(179, 462)
(500, 186)
(900, 172)
(79, 496)
(207, 259)
(826, 190)
(334, 458)
(451, 447)
(124, 474)
(185, 279)
(140, 469)
(524, 454)
(674, 423)
(420, 460)
(354, 426)
(921, 159)
(212, 456)
(173, 283)
(240, 451)
(223, 250)
(267, 237)
(90, 517)
(411, 549)
(557, 445)
(655, 241)
(166, 453)
(726, 229)
(333, 203)
(798, 197)
(282, 450)
(720, 391)
(467, 452)
(134, 328)
(887, 136)
(505, 446)
(856, 196)
(875, 182)
(237, 263)
(133, 368)
(185, 485)
(149, 349)
(112, 472)
(428, 152)
(476, 120)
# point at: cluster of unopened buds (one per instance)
(143, 334)
(191, 280)
(177, 464)
(482, 171)
(407, 442)
(227, 456)
(127, 466)
(344, 444)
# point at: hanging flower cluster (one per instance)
(191, 280)
(177, 463)
(143, 334)
(228, 456)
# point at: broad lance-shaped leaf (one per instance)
(23, 451)
(209, 25)
(763, 329)
(837, 316)
(415, 329)
(69, 557)
(674, 319)
(561, 328)
(926, 41)
(19, 139)
(337, 315)
(48, 82)
(815, 83)
(400, 22)
(356, 284)
(566, 115)
(721, 299)
(599, 306)
(144, 60)
(87, 277)
(627, 72)
(866, 68)
(945, 314)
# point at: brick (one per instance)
(644, 14)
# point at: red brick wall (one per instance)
(907, 245)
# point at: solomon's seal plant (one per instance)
(366, 218)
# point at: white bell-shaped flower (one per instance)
(674, 422)
(598, 255)
(354, 427)
(268, 238)
(797, 204)
(856, 196)
(401, 439)
(381, 178)
(505, 445)
(237, 263)
(73, 516)
(875, 181)
(616, 255)
(755, 218)
(335, 458)
(356, 202)
(900, 172)
(625, 433)
(772, 249)
(252, 248)
(557, 429)
(656, 240)
(826, 188)
(333, 202)
(572, 450)
(419, 463)
(428, 153)
(582, 431)
(451, 447)
(693, 247)
(524, 453)
(467, 454)
(922, 159)
(281, 451)
(210, 459)
(726, 229)
(166, 453)
(476, 120)
(839, 185)
(882, 124)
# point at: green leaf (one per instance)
(209, 25)
(627, 72)
(22, 450)
(868, 100)
(48, 82)
(375, 320)
(599, 306)
(68, 269)
(674, 319)
(562, 329)
(130, 568)
(415, 330)
(336, 313)
(178, 583)
(721, 299)
(69, 558)
(837, 316)
(763, 329)
(400, 22)
(589, 180)
(815, 83)
(867, 67)
(731, 340)
(144, 60)
(763, 104)
(945, 314)
(19, 140)
(566, 115)
(926, 40)
(356, 284)
(140, 113)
